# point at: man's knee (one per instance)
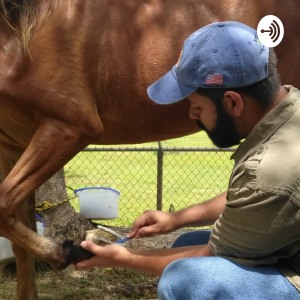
(172, 282)
(200, 237)
(197, 278)
(186, 278)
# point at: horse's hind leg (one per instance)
(25, 262)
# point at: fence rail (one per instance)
(151, 177)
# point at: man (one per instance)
(253, 250)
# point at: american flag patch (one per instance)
(216, 79)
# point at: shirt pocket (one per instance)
(245, 173)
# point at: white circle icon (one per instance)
(270, 31)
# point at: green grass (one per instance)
(189, 177)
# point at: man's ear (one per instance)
(233, 103)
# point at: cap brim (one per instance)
(168, 90)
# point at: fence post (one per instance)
(160, 166)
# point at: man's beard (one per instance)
(224, 134)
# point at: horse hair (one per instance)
(21, 17)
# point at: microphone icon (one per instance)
(270, 31)
(274, 31)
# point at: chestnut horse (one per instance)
(75, 72)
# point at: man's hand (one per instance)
(153, 222)
(105, 256)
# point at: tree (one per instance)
(60, 219)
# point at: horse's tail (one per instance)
(21, 17)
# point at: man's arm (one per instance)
(154, 222)
(150, 261)
(203, 214)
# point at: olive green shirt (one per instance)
(261, 221)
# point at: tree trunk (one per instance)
(60, 220)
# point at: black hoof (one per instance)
(74, 253)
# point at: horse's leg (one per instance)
(25, 262)
(52, 145)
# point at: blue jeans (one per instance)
(216, 278)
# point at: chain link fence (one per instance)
(150, 178)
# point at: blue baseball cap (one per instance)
(220, 55)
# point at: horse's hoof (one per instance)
(102, 236)
(74, 253)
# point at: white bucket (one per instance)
(6, 253)
(98, 202)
